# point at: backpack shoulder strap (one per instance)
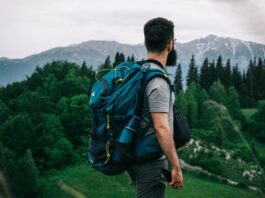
(148, 76)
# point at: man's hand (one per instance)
(177, 178)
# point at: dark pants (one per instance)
(146, 178)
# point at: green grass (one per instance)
(93, 184)
(260, 146)
(248, 112)
(249, 138)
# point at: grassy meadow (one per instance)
(92, 184)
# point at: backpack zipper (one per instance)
(108, 153)
(108, 122)
(108, 142)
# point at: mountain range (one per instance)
(95, 52)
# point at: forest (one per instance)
(45, 120)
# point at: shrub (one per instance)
(243, 153)
(21, 174)
(209, 162)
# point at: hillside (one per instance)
(93, 184)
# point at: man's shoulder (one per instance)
(157, 83)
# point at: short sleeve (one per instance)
(158, 95)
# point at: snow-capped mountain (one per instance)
(212, 46)
(95, 52)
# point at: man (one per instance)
(158, 108)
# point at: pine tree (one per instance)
(219, 132)
(203, 96)
(259, 79)
(83, 67)
(21, 173)
(204, 80)
(255, 61)
(227, 78)
(220, 70)
(104, 68)
(192, 112)
(117, 59)
(250, 82)
(243, 92)
(212, 73)
(233, 104)
(121, 58)
(263, 80)
(219, 67)
(87, 71)
(106, 64)
(217, 92)
(236, 77)
(28, 187)
(129, 58)
(192, 109)
(4, 112)
(181, 102)
(193, 90)
(132, 58)
(193, 72)
(178, 79)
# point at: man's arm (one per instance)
(165, 139)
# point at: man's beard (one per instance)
(172, 58)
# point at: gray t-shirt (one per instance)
(156, 99)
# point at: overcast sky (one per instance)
(32, 26)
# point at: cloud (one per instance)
(249, 16)
(34, 25)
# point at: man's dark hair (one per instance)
(158, 32)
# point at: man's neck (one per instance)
(158, 57)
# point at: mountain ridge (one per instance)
(94, 52)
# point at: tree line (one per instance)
(250, 84)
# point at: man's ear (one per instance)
(170, 46)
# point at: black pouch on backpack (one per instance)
(182, 131)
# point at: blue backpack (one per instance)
(115, 106)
